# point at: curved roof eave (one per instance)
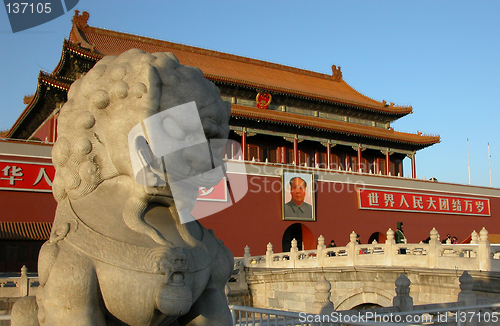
(335, 126)
(43, 79)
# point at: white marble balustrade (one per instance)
(478, 255)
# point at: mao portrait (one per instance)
(298, 196)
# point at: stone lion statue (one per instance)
(119, 253)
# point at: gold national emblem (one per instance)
(263, 100)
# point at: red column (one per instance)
(387, 163)
(359, 160)
(413, 166)
(233, 151)
(376, 167)
(54, 128)
(328, 155)
(244, 144)
(283, 154)
(296, 150)
(347, 159)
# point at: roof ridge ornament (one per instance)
(81, 20)
(391, 104)
(336, 73)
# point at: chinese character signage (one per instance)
(380, 199)
(26, 176)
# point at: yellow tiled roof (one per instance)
(233, 69)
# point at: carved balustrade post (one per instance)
(247, 256)
(24, 285)
(402, 300)
(351, 249)
(294, 252)
(269, 254)
(389, 250)
(484, 251)
(467, 297)
(322, 305)
(433, 248)
(474, 237)
(320, 251)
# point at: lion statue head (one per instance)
(118, 94)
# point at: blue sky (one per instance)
(441, 57)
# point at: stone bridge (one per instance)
(364, 276)
(361, 275)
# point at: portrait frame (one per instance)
(291, 213)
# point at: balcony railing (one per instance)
(478, 255)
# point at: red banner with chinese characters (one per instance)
(381, 199)
(26, 176)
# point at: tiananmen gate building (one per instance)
(288, 122)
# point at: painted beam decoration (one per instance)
(25, 176)
(405, 201)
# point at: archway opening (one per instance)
(366, 306)
(378, 236)
(301, 233)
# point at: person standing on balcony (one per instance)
(399, 236)
(332, 244)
